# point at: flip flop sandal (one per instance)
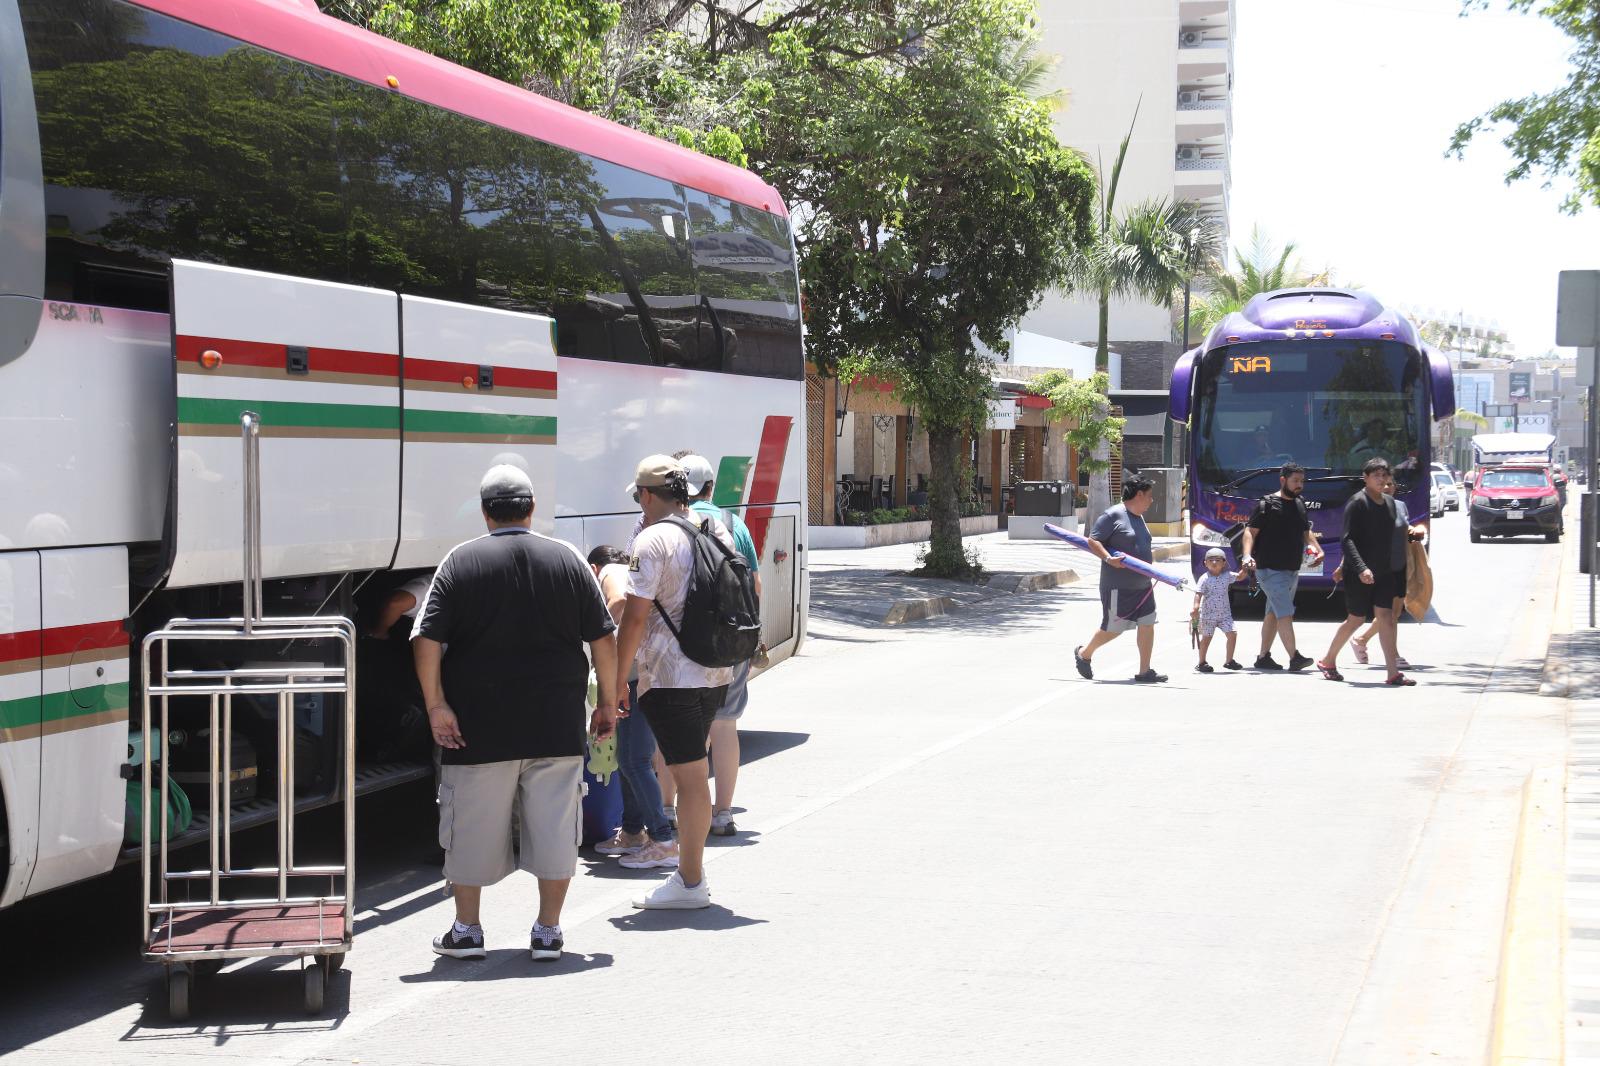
(1400, 681)
(1328, 672)
(1359, 650)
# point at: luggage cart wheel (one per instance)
(334, 962)
(179, 983)
(315, 982)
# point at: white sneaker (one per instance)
(673, 895)
(657, 853)
(722, 824)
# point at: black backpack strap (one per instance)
(692, 530)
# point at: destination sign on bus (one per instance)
(1267, 362)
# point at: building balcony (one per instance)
(1203, 176)
(1198, 120)
(1204, 53)
(1193, 11)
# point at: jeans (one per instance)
(641, 792)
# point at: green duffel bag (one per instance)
(179, 814)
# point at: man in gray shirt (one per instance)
(1127, 599)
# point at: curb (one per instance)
(1556, 679)
(1530, 1006)
(1034, 582)
(917, 608)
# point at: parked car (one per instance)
(1511, 501)
(1444, 496)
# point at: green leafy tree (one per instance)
(1555, 133)
(938, 206)
(532, 43)
(1081, 401)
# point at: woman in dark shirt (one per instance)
(1370, 581)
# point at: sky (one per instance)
(1342, 110)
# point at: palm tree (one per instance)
(1263, 269)
(1147, 252)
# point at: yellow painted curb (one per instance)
(1530, 1003)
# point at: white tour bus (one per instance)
(409, 271)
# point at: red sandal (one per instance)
(1400, 681)
(1328, 672)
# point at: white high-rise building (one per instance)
(1173, 61)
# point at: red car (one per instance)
(1514, 501)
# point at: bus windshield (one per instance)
(1328, 405)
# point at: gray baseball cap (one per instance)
(697, 469)
(503, 482)
(1216, 553)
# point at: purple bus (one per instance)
(1323, 377)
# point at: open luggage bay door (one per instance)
(480, 389)
(320, 364)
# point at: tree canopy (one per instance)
(1555, 133)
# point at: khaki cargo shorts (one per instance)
(481, 805)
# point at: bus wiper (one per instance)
(1336, 477)
(1246, 476)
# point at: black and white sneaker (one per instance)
(459, 945)
(545, 943)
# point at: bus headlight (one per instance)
(1207, 537)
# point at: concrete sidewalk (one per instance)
(876, 585)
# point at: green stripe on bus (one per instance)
(18, 713)
(731, 475)
(204, 411)
(426, 421)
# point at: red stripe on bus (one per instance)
(302, 33)
(508, 376)
(764, 479)
(62, 640)
(275, 356)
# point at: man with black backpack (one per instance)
(690, 616)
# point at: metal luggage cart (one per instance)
(190, 936)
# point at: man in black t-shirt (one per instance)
(506, 704)
(1370, 581)
(1275, 541)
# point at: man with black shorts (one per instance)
(1127, 598)
(677, 696)
(1370, 581)
(1275, 540)
(506, 704)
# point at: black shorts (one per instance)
(681, 720)
(1360, 599)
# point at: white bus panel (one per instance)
(320, 363)
(480, 389)
(21, 701)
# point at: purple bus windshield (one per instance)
(1328, 405)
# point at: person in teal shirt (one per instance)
(725, 730)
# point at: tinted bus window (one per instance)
(744, 263)
(164, 140)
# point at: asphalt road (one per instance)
(954, 849)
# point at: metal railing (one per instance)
(1203, 105)
(162, 682)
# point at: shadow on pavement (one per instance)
(506, 964)
(103, 972)
(712, 919)
(260, 997)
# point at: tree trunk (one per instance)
(945, 557)
(1100, 479)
